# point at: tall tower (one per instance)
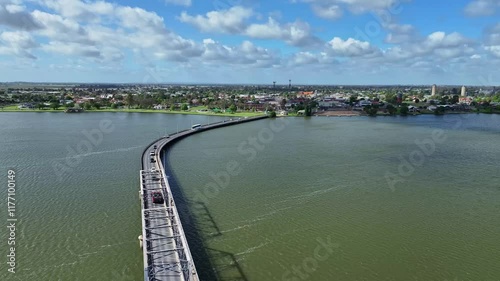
(274, 84)
(463, 92)
(433, 90)
(290, 84)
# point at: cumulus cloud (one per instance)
(247, 53)
(400, 33)
(492, 35)
(437, 45)
(15, 17)
(494, 50)
(332, 9)
(17, 43)
(295, 34)
(72, 49)
(230, 21)
(234, 21)
(99, 35)
(139, 19)
(478, 8)
(179, 2)
(492, 40)
(76, 9)
(351, 47)
(58, 28)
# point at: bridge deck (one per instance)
(165, 248)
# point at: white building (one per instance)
(463, 92)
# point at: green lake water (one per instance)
(292, 184)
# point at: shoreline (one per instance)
(237, 114)
(343, 113)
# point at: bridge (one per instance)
(165, 247)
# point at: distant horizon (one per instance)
(246, 84)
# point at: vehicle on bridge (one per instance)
(196, 127)
(157, 197)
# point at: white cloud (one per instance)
(494, 50)
(328, 11)
(440, 39)
(400, 33)
(492, 35)
(140, 19)
(179, 2)
(351, 47)
(303, 58)
(76, 9)
(438, 43)
(58, 28)
(295, 34)
(12, 8)
(14, 16)
(72, 49)
(17, 43)
(478, 8)
(246, 54)
(234, 21)
(98, 35)
(332, 9)
(225, 21)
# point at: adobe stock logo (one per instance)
(309, 265)
(416, 158)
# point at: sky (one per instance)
(327, 42)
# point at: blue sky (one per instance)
(250, 41)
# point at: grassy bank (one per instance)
(14, 108)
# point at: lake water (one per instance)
(414, 198)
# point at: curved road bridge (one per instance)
(165, 248)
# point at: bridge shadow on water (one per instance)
(199, 225)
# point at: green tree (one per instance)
(272, 114)
(184, 107)
(129, 100)
(40, 105)
(403, 110)
(308, 110)
(87, 106)
(233, 108)
(439, 110)
(444, 100)
(114, 106)
(97, 105)
(391, 109)
(172, 107)
(353, 99)
(55, 105)
(371, 110)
